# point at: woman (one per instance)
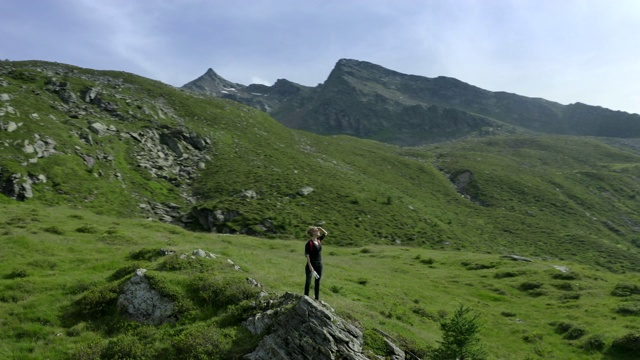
(313, 252)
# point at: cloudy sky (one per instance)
(562, 50)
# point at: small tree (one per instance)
(460, 337)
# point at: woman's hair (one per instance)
(311, 229)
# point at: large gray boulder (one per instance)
(301, 328)
(139, 302)
(16, 186)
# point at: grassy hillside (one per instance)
(545, 196)
(406, 246)
(60, 269)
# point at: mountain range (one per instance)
(369, 101)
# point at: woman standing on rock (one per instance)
(313, 250)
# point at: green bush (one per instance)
(146, 254)
(625, 289)
(569, 331)
(564, 286)
(532, 338)
(87, 229)
(566, 276)
(530, 285)
(478, 266)
(627, 345)
(220, 292)
(212, 342)
(424, 313)
(126, 347)
(53, 230)
(115, 237)
(201, 342)
(508, 274)
(632, 309)
(16, 274)
(429, 261)
(569, 296)
(594, 343)
(124, 271)
(97, 302)
(374, 342)
(561, 327)
(460, 337)
(574, 333)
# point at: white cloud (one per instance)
(565, 51)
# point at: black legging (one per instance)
(307, 284)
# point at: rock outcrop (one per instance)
(141, 303)
(300, 328)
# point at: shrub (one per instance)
(87, 229)
(566, 276)
(561, 327)
(460, 337)
(627, 345)
(632, 309)
(126, 347)
(625, 289)
(124, 271)
(574, 333)
(564, 286)
(114, 237)
(422, 312)
(16, 274)
(508, 274)
(429, 261)
(594, 343)
(530, 285)
(532, 338)
(220, 292)
(374, 342)
(478, 266)
(97, 302)
(146, 254)
(569, 331)
(569, 296)
(54, 230)
(202, 342)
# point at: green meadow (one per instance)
(58, 267)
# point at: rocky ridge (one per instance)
(369, 101)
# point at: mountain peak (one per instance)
(213, 84)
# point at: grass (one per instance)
(524, 308)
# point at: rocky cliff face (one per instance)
(300, 328)
(369, 101)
